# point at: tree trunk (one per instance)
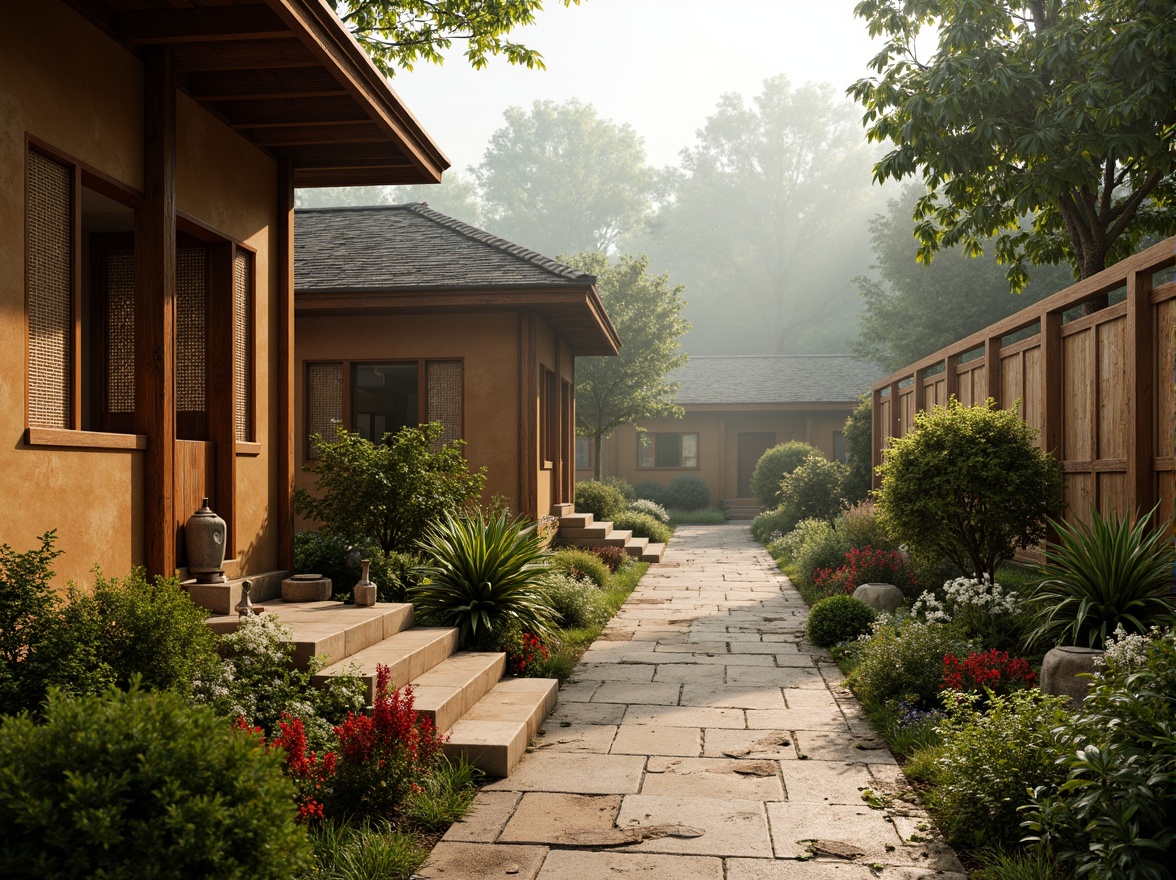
(597, 471)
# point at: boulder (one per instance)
(1060, 670)
(880, 597)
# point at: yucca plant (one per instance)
(484, 573)
(1107, 574)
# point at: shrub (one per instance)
(863, 526)
(821, 546)
(142, 785)
(1115, 813)
(579, 603)
(814, 489)
(27, 608)
(968, 484)
(838, 619)
(859, 447)
(772, 522)
(583, 564)
(615, 558)
(621, 485)
(650, 490)
(981, 609)
(987, 672)
(642, 525)
(644, 505)
(774, 465)
(688, 492)
(599, 499)
(482, 573)
(325, 554)
(1109, 574)
(904, 661)
(990, 761)
(387, 492)
(865, 566)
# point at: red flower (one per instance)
(987, 670)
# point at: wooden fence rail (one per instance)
(1099, 388)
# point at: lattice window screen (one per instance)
(324, 402)
(120, 331)
(191, 339)
(50, 273)
(242, 344)
(444, 384)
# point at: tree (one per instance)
(859, 446)
(969, 485)
(560, 180)
(914, 308)
(765, 220)
(1065, 111)
(647, 313)
(398, 33)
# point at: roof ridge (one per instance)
(490, 240)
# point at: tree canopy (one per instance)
(399, 33)
(647, 313)
(1060, 109)
(559, 179)
(769, 191)
(913, 308)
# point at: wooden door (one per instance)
(751, 447)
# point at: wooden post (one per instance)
(155, 316)
(951, 379)
(896, 425)
(920, 391)
(875, 436)
(1140, 369)
(528, 416)
(221, 387)
(1051, 363)
(284, 257)
(992, 369)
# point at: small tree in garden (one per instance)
(773, 466)
(859, 444)
(388, 492)
(969, 484)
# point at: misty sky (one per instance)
(658, 65)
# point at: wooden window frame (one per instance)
(549, 407)
(650, 437)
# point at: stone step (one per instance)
(562, 510)
(223, 598)
(615, 538)
(409, 654)
(653, 553)
(576, 521)
(332, 629)
(494, 734)
(636, 546)
(594, 531)
(452, 687)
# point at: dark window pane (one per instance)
(384, 399)
(668, 450)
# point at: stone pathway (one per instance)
(701, 738)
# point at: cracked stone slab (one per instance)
(642, 739)
(733, 697)
(586, 713)
(678, 673)
(557, 737)
(820, 869)
(565, 819)
(776, 676)
(824, 745)
(796, 825)
(574, 772)
(728, 778)
(799, 719)
(482, 861)
(573, 865)
(774, 745)
(663, 694)
(827, 782)
(485, 819)
(727, 827)
(610, 672)
(684, 716)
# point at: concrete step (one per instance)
(452, 687)
(223, 598)
(594, 531)
(636, 546)
(562, 510)
(653, 553)
(409, 654)
(615, 538)
(332, 629)
(742, 508)
(576, 521)
(494, 734)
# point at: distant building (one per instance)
(737, 407)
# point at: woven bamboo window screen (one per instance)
(191, 340)
(120, 332)
(243, 350)
(50, 270)
(324, 402)
(444, 388)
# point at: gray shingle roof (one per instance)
(825, 378)
(412, 247)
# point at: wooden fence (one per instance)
(1099, 388)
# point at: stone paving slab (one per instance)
(701, 738)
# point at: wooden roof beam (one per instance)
(402, 175)
(203, 24)
(246, 85)
(243, 55)
(294, 113)
(316, 135)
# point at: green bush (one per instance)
(580, 564)
(990, 761)
(774, 465)
(599, 499)
(838, 619)
(1109, 574)
(859, 446)
(387, 492)
(821, 546)
(980, 609)
(814, 490)
(688, 492)
(579, 603)
(644, 505)
(28, 606)
(767, 523)
(642, 525)
(621, 485)
(483, 573)
(651, 491)
(1115, 814)
(904, 661)
(863, 526)
(136, 784)
(333, 556)
(969, 484)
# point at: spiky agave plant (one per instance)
(484, 573)
(1109, 573)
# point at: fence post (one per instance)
(1140, 380)
(951, 379)
(875, 436)
(1051, 364)
(992, 369)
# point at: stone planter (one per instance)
(1060, 670)
(306, 588)
(880, 597)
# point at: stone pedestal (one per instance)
(881, 597)
(306, 588)
(1060, 670)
